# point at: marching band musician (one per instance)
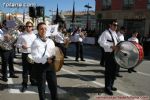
(59, 39)
(79, 36)
(133, 39)
(24, 43)
(66, 41)
(108, 40)
(7, 53)
(43, 53)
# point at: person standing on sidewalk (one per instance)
(108, 40)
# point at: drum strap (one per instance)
(112, 37)
(44, 50)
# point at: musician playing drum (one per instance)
(43, 53)
(108, 40)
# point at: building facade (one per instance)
(80, 19)
(133, 14)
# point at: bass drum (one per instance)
(129, 54)
(59, 59)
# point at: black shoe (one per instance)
(129, 71)
(102, 65)
(4, 79)
(33, 84)
(109, 92)
(77, 60)
(118, 75)
(23, 89)
(82, 60)
(133, 70)
(114, 89)
(13, 76)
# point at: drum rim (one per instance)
(135, 64)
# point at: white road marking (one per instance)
(97, 83)
(91, 61)
(145, 74)
(13, 88)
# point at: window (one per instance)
(106, 4)
(148, 4)
(128, 4)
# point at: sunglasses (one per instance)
(29, 26)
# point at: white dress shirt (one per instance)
(105, 40)
(37, 50)
(78, 38)
(26, 39)
(59, 38)
(1, 34)
(134, 39)
(120, 36)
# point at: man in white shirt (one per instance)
(120, 34)
(24, 43)
(43, 54)
(108, 40)
(59, 39)
(79, 36)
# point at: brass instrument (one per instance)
(67, 40)
(6, 43)
(10, 35)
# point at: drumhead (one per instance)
(128, 55)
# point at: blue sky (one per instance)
(63, 5)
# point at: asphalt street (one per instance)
(83, 80)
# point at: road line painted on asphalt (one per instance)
(94, 61)
(97, 83)
(10, 82)
(30, 90)
(145, 74)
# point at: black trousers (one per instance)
(79, 50)
(27, 67)
(45, 72)
(102, 62)
(110, 70)
(7, 59)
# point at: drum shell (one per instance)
(129, 54)
(59, 59)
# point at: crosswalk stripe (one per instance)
(14, 88)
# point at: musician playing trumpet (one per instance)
(43, 54)
(79, 36)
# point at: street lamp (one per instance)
(87, 22)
